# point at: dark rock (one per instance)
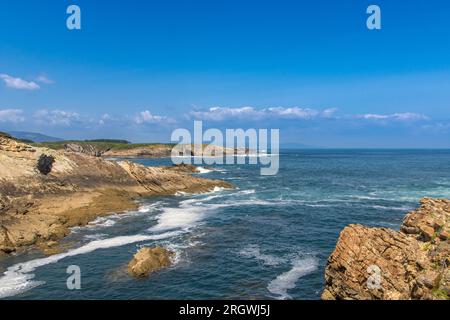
(45, 164)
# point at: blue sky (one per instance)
(139, 69)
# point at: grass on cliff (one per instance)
(102, 144)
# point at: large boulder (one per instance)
(148, 260)
(45, 164)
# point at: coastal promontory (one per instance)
(44, 192)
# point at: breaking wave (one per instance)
(288, 280)
(19, 278)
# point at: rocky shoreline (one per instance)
(38, 208)
(380, 263)
(132, 151)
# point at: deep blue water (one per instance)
(269, 238)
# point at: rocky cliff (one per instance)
(44, 192)
(379, 263)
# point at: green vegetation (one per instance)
(102, 144)
(109, 140)
(440, 294)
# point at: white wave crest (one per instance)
(203, 170)
(288, 280)
(253, 251)
(19, 278)
(102, 222)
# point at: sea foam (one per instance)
(253, 251)
(288, 280)
(19, 278)
(202, 170)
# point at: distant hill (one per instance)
(33, 136)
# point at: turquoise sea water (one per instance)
(267, 239)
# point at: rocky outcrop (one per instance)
(150, 151)
(88, 149)
(379, 263)
(38, 209)
(157, 151)
(148, 260)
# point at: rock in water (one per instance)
(148, 260)
(379, 263)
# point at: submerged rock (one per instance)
(379, 263)
(148, 260)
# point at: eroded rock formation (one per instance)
(39, 209)
(379, 263)
(88, 149)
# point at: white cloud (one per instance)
(407, 116)
(438, 127)
(44, 79)
(11, 115)
(18, 83)
(329, 113)
(56, 117)
(105, 118)
(250, 113)
(294, 113)
(147, 117)
(219, 113)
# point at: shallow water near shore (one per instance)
(267, 239)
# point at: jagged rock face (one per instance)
(148, 260)
(429, 221)
(379, 263)
(40, 208)
(85, 149)
(185, 168)
(151, 152)
(11, 145)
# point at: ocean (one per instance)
(267, 239)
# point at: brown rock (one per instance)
(444, 235)
(5, 243)
(148, 260)
(378, 263)
(427, 233)
(88, 149)
(36, 208)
